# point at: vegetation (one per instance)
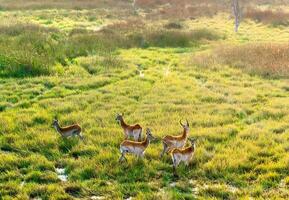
(268, 60)
(31, 50)
(274, 17)
(85, 65)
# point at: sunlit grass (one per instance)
(241, 121)
(237, 148)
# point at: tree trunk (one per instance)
(237, 13)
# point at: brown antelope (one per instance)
(129, 130)
(170, 142)
(134, 147)
(67, 131)
(185, 154)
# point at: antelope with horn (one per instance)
(68, 131)
(133, 147)
(183, 155)
(129, 130)
(170, 142)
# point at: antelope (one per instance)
(129, 130)
(185, 155)
(67, 131)
(134, 147)
(170, 142)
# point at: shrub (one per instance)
(173, 25)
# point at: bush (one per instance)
(173, 25)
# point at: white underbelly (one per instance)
(177, 144)
(182, 157)
(69, 133)
(133, 150)
(133, 132)
(185, 157)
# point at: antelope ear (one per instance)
(187, 122)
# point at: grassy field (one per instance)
(85, 65)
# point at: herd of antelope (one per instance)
(132, 144)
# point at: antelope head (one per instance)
(185, 126)
(119, 117)
(54, 123)
(149, 135)
(192, 141)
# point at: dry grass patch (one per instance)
(185, 11)
(65, 4)
(267, 16)
(269, 60)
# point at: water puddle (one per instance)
(141, 74)
(61, 174)
(5, 152)
(282, 183)
(233, 189)
(173, 184)
(22, 184)
(97, 197)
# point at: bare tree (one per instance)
(237, 13)
(134, 5)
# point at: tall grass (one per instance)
(173, 38)
(27, 49)
(268, 60)
(274, 17)
(190, 10)
(31, 50)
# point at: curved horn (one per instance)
(187, 122)
(181, 122)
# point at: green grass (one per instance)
(240, 120)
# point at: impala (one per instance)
(72, 130)
(133, 147)
(129, 130)
(170, 142)
(185, 155)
